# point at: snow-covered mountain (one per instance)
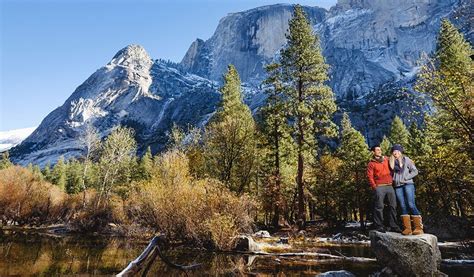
(131, 90)
(11, 138)
(371, 46)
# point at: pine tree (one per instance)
(418, 145)
(453, 53)
(231, 104)
(354, 152)
(399, 133)
(448, 78)
(311, 102)
(74, 174)
(59, 176)
(385, 145)
(276, 140)
(145, 165)
(47, 172)
(230, 137)
(353, 148)
(5, 161)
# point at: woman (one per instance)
(403, 171)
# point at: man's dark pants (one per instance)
(380, 193)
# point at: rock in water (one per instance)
(246, 244)
(262, 234)
(407, 255)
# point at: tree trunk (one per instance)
(276, 211)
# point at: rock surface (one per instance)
(262, 234)
(246, 244)
(407, 255)
(339, 273)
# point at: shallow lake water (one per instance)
(44, 255)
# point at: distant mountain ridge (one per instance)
(371, 46)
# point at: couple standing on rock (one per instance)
(392, 177)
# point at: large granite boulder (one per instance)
(407, 255)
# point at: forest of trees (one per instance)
(288, 164)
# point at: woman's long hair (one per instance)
(391, 161)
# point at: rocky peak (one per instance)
(133, 56)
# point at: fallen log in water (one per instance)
(322, 255)
(153, 250)
(457, 262)
(247, 245)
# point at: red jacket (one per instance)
(379, 172)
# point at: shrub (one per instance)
(85, 215)
(26, 199)
(183, 208)
(222, 228)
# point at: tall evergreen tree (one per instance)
(59, 176)
(448, 78)
(385, 145)
(230, 137)
(145, 165)
(276, 140)
(354, 152)
(418, 145)
(311, 102)
(47, 172)
(74, 174)
(399, 133)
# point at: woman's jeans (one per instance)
(406, 199)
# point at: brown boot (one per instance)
(406, 225)
(418, 225)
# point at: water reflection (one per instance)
(35, 254)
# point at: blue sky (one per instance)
(48, 48)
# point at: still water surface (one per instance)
(36, 254)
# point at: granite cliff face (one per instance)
(372, 48)
(371, 43)
(249, 40)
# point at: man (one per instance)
(380, 180)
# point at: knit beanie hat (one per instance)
(396, 147)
